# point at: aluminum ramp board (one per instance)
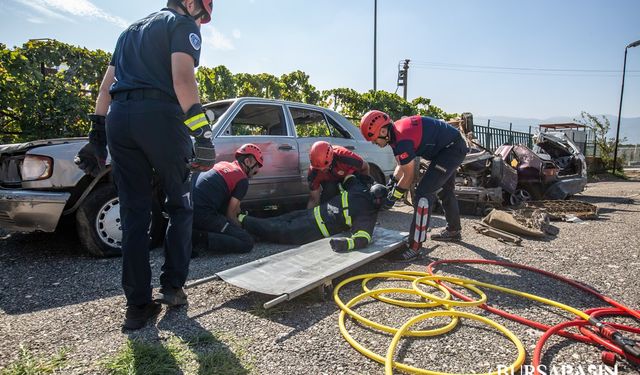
(293, 272)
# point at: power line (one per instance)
(519, 70)
(429, 63)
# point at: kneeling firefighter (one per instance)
(355, 209)
(216, 201)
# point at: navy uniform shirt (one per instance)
(213, 189)
(421, 136)
(142, 58)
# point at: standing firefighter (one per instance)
(216, 200)
(329, 166)
(355, 209)
(150, 99)
(434, 140)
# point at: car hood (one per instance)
(19, 147)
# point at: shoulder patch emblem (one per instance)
(403, 156)
(195, 41)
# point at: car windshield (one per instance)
(216, 110)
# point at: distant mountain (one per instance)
(629, 126)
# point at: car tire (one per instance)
(377, 175)
(98, 223)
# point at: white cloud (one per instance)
(35, 20)
(43, 10)
(79, 8)
(236, 33)
(215, 39)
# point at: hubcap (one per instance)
(108, 223)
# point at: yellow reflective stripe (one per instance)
(397, 194)
(196, 122)
(345, 208)
(320, 222)
(362, 234)
(350, 244)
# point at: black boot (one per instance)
(137, 316)
(447, 235)
(172, 296)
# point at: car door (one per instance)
(312, 125)
(265, 125)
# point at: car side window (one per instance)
(257, 120)
(336, 130)
(310, 123)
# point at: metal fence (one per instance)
(492, 138)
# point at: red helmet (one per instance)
(372, 122)
(321, 155)
(253, 150)
(207, 6)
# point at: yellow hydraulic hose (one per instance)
(418, 279)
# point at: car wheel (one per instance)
(99, 225)
(377, 175)
(519, 196)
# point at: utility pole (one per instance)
(403, 74)
(375, 38)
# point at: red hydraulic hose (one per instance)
(587, 335)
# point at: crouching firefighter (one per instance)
(328, 167)
(355, 209)
(216, 201)
(434, 140)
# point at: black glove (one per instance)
(339, 245)
(203, 149)
(392, 182)
(394, 194)
(204, 153)
(92, 157)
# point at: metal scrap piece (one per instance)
(558, 210)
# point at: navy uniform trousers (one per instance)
(147, 136)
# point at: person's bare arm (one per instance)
(406, 175)
(104, 98)
(184, 80)
(233, 209)
(365, 168)
(314, 198)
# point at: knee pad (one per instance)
(421, 220)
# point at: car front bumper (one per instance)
(29, 211)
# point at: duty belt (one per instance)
(138, 94)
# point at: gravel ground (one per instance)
(53, 297)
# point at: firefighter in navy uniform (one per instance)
(216, 201)
(355, 209)
(434, 140)
(329, 165)
(150, 99)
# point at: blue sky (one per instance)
(550, 49)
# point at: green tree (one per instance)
(215, 83)
(261, 85)
(47, 88)
(296, 87)
(600, 127)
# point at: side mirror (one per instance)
(211, 115)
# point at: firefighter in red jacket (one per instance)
(216, 200)
(329, 166)
(433, 140)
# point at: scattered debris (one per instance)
(558, 210)
(498, 234)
